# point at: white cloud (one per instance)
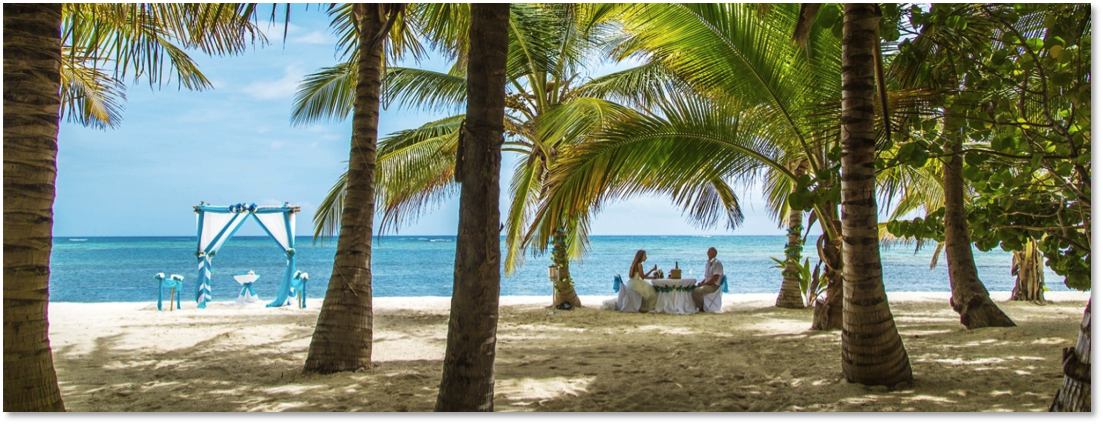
(279, 89)
(271, 202)
(276, 145)
(295, 34)
(314, 37)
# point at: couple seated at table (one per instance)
(714, 272)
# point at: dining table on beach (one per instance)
(674, 296)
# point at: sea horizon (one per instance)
(122, 268)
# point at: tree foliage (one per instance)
(1025, 110)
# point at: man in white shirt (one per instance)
(714, 272)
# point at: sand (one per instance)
(750, 357)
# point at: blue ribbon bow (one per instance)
(616, 283)
(724, 283)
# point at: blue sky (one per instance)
(235, 143)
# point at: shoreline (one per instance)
(752, 357)
(588, 301)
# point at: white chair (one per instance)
(628, 300)
(714, 301)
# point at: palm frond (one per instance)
(643, 86)
(727, 48)
(327, 219)
(692, 154)
(431, 91)
(401, 40)
(325, 96)
(150, 39)
(415, 170)
(90, 97)
(444, 26)
(571, 122)
(525, 189)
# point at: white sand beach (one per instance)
(750, 357)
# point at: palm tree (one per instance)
(467, 382)
(32, 80)
(342, 339)
(547, 46)
(872, 351)
(790, 295)
(134, 37)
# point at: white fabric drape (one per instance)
(235, 222)
(212, 224)
(275, 224)
(675, 302)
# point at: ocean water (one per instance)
(122, 269)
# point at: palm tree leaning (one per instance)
(136, 38)
(467, 381)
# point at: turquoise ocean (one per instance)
(122, 269)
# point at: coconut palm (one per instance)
(342, 339)
(32, 73)
(136, 38)
(547, 46)
(872, 351)
(467, 381)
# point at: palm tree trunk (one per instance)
(32, 84)
(872, 351)
(1075, 394)
(1030, 282)
(564, 288)
(342, 339)
(790, 295)
(828, 314)
(968, 297)
(467, 382)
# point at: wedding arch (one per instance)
(216, 224)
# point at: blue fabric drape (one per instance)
(285, 290)
(724, 283)
(617, 283)
(172, 282)
(298, 287)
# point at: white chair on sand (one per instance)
(627, 299)
(714, 302)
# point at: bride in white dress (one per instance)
(637, 284)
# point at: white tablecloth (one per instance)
(676, 301)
